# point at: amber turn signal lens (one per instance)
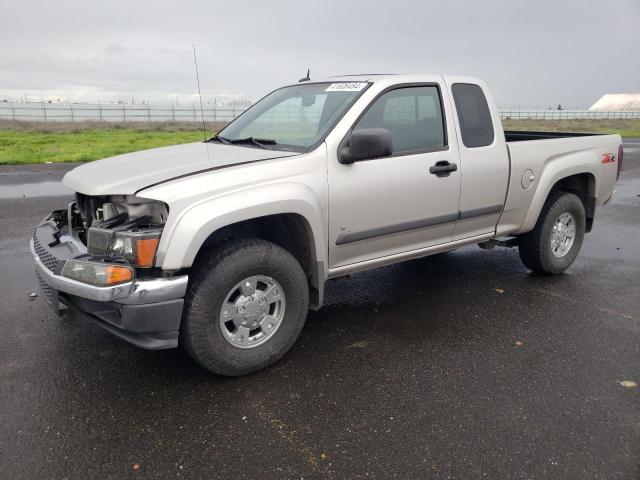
(115, 274)
(146, 251)
(97, 273)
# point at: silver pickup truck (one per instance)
(222, 246)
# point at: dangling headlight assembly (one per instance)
(127, 227)
(139, 247)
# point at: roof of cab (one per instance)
(377, 77)
(389, 79)
(360, 77)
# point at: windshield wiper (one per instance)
(215, 138)
(259, 142)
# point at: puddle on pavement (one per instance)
(30, 190)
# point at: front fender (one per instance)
(203, 218)
(554, 170)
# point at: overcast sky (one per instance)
(532, 53)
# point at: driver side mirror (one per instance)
(366, 144)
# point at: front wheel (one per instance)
(246, 306)
(554, 243)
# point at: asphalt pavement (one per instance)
(463, 365)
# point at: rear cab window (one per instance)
(474, 117)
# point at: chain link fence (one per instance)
(77, 112)
(566, 115)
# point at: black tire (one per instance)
(215, 275)
(535, 247)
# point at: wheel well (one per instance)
(584, 186)
(287, 230)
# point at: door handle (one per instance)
(443, 168)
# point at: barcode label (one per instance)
(346, 87)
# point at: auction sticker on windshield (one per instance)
(346, 87)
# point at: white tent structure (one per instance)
(617, 102)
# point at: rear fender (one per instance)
(555, 170)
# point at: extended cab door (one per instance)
(484, 159)
(385, 206)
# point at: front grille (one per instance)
(47, 291)
(46, 258)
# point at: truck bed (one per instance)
(555, 156)
(523, 135)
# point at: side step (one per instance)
(491, 244)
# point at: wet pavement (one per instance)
(462, 365)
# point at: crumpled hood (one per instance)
(126, 174)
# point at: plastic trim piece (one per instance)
(350, 237)
(148, 341)
(479, 212)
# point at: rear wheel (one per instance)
(246, 306)
(553, 245)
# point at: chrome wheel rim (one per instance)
(252, 311)
(563, 235)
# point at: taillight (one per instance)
(620, 156)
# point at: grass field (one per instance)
(626, 128)
(29, 142)
(38, 143)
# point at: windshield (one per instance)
(293, 118)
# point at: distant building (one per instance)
(617, 102)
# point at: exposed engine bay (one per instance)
(126, 207)
(120, 226)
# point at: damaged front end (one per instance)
(99, 255)
(123, 226)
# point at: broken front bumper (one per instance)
(146, 312)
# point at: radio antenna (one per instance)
(195, 61)
(305, 79)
